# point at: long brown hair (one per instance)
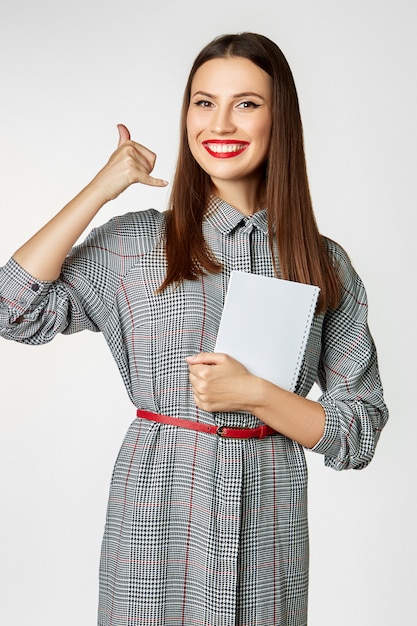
(302, 254)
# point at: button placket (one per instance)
(243, 259)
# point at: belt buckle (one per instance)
(219, 431)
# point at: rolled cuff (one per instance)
(20, 292)
(329, 444)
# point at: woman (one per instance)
(203, 529)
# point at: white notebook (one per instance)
(265, 325)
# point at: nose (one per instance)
(222, 121)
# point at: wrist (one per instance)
(255, 394)
(97, 192)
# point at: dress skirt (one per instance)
(204, 530)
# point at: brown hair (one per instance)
(302, 254)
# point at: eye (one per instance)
(204, 104)
(248, 104)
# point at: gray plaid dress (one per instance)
(201, 530)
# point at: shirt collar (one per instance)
(226, 218)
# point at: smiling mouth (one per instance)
(225, 149)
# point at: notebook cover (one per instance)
(265, 325)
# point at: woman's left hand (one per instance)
(219, 382)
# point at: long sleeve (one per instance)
(34, 312)
(349, 378)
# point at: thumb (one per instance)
(124, 134)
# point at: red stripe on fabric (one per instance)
(122, 522)
(187, 551)
(204, 313)
(118, 254)
(344, 358)
(353, 296)
(274, 501)
(132, 336)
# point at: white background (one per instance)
(69, 72)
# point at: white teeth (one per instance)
(225, 147)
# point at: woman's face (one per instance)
(229, 120)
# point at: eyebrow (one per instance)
(244, 94)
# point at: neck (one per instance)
(245, 196)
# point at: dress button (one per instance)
(35, 287)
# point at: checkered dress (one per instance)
(201, 530)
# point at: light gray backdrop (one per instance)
(69, 72)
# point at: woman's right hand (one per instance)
(130, 163)
(42, 256)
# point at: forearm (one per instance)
(293, 416)
(221, 383)
(44, 253)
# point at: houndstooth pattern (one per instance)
(201, 530)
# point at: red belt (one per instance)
(231, 432)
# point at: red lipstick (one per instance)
(225, 148)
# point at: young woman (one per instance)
(201, 528)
